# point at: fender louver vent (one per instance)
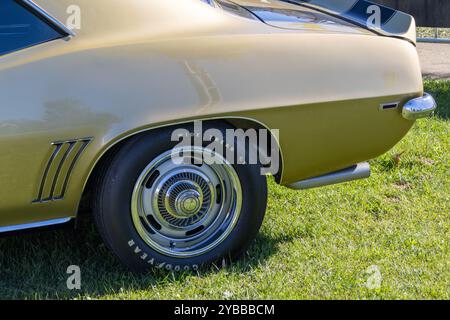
(58, 170)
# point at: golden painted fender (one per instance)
(138, 64)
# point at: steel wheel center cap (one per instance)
(188, 203)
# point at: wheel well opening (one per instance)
(102, 164)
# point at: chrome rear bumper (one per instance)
(419, 107)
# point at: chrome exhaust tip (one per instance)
(356, 172)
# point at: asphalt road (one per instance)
(435, 60)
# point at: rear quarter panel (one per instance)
(322, 91)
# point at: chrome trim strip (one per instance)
(34, 225)
(49, 17)
(58, 170)
(356, 172)
(59, 148)
(47, 169)
(87, 139)
(85, 142)
(419, 108)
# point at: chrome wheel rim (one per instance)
(186, 209)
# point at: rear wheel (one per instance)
(155, 212)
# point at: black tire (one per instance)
(112, 207)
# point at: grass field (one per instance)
(313, 244)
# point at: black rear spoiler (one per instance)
(378, 18)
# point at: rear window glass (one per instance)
(21, 28)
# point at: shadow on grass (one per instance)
(34, 265)
(440, 90)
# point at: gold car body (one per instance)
(137, 65)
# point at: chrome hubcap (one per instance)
(182, 197)
(188, 203)
(187, 209)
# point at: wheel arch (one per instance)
(100, 162)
